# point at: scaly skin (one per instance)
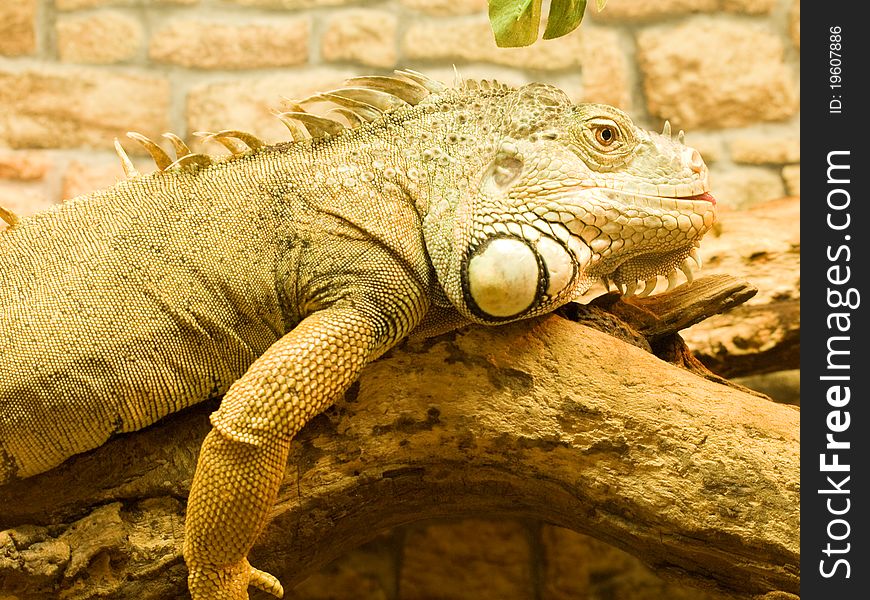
(273, 277)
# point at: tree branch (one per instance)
(762, 244)
(545, 419)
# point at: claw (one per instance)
(632, 289)
(686, 268)
(266, 582)
(695, 256)
(606, 283)
(649, 287)
(231, 581)
(672, 281)
(666, 129)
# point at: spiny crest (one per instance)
(10, 217)
(485, 84)
(362, 100)
(666, 131)
(184, 157)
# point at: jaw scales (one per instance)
(643, 288)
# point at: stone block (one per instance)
(741, 187)
(707, 73)
(201, 44)
(467, 559)
(17, 27)
(248, 104)
(99, 38)
(367, 37)
(72, 107)
(447, 7)
(472, 41)
(791, 174)
(642, 10)
(765, 149)
(578, 566)
(23, 166)
(84, 4)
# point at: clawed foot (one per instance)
(230, 583)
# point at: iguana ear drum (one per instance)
(503, 278)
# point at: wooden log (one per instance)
(762, 245)
(544, 419)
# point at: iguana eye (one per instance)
(606, 134)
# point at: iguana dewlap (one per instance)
(272, 276)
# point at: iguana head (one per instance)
(568, 195)
(527, 198)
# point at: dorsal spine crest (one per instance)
(362, 101)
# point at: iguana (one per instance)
(273, 275)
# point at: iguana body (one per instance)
(274, 276)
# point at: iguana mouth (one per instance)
(706, 197)
(653, 195)
(639, 274)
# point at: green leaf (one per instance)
(564, 17)
(600, 4)
(515, 22)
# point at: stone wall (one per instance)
(489, 560)
(74, 74)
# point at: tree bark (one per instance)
(546, 419)
(762, 244)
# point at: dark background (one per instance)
(820, 134)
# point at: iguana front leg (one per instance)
(243, 458)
